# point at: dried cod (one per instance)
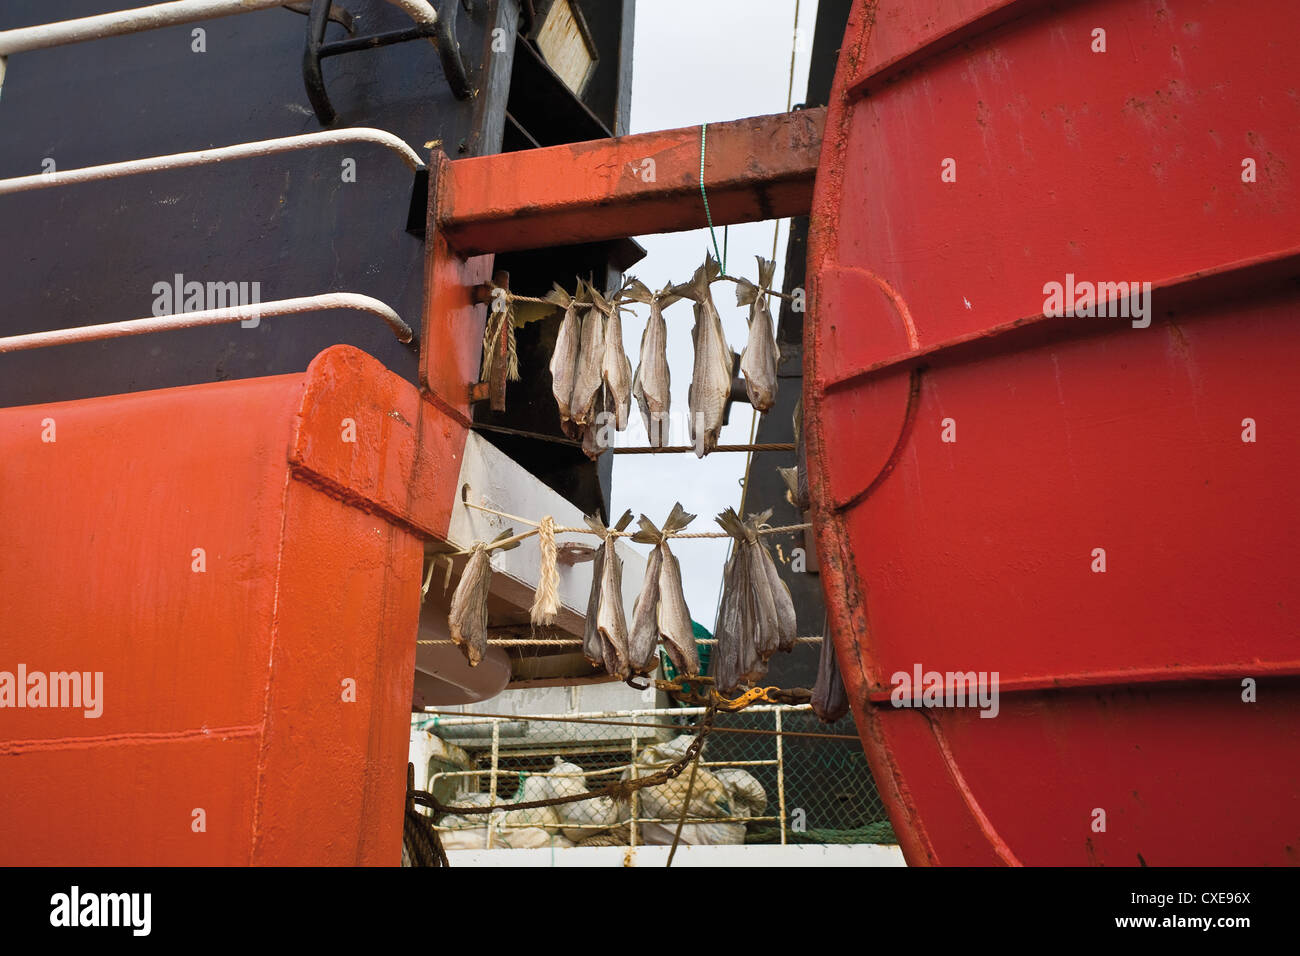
(468, 617)
(643, 639)
(650, 386)
(830, 701)
(736, 652)
(660, 610)
(757, 617)
(758, 362)
(605, 645)
(564, 360)
(588, 377)
(674, 619)
(711, 377)
(615, 368)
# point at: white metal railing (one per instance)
(204, 157)
(190, 320)
(139, 19)
(637, 736)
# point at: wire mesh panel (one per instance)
(770, 774)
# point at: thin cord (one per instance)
(708, 215)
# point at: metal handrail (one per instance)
(43, 36)
(173, 13)
(205, 317)
(202, 157)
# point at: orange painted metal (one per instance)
(225, 683)
(757, 168)
(451, 346)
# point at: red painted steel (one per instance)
(223, 690)
(757, 168)
(1119, 691)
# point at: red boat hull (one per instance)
(1098, 510)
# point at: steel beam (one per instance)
(754, 169)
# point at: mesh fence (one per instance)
(770, 774)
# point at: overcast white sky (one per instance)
(703, 61)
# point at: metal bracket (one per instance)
(441, 32)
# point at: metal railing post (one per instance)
(636, 794)
(492, 787)
(780, 769)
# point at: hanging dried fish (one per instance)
(758, 362)
(711, 377)
(592, 648)
(736, 652)
(758, 616)
(674, 619)
(650, 386)
(615, 367)
(643, 639)
(786, 622)
(468, 617)
(597, 436)
(564, 360)
(605, 606)
(588, 378)
(667, 617)
(830, 701)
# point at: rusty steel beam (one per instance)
(755, 169)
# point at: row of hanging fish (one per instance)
(591, 373)
(659, 613)
(756, 618)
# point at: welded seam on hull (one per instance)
(127, 739)
(966, 32)
(1269, 270)
(353, 499)
(374, 742)
(263, 744)
(990, 833)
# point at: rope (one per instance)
(419, 837)
(680, 449)
(722, 261)
(784, 529)
(546, 602)
(635, 450)
(577, 642)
